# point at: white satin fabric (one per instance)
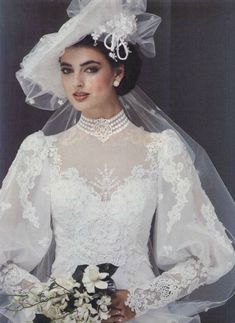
(101, 198)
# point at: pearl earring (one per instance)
(116, 83)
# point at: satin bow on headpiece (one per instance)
(129, 24)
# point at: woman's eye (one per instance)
(65, 70)
(92, 69)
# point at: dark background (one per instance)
(192, 79)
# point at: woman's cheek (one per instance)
(100, 87)
(67, 85)
(103, 80)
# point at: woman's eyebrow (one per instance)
(83, 64)
(90, 62)
(65, 64)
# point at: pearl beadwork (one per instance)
(101, 128)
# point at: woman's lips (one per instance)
(80, 96)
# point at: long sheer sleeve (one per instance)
(189, 244)
(25, 232)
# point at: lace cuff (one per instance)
(168, 287)
(14, 279)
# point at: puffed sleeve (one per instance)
(25, 231)
(189, 243)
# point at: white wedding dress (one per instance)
(98, 191)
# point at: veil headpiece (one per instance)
(40, 79)
(116, 22)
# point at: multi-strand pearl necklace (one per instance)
(101, 128)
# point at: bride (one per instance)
(99, 184)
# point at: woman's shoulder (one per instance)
(37, 141)
(164, 136)
(160, 138)
(42, 143)
(166, 144)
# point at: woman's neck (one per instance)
(105, 112)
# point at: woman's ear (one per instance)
(119, 72)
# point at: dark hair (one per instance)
(132, 64)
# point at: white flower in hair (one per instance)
(115, 32)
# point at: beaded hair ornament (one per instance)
(116, 31)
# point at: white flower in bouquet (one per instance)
(84, 312)
(93, 278)
(67, 282)
(51, 311)
(104, 303)
(82, 298)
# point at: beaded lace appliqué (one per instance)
(13, 278)
(163, 154)
(212, 224)
(102, 219)
(38, 149)
(169, 286)
(106, 182)
(25, 168)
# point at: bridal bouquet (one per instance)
(84, 297)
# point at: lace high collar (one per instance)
(101, 128)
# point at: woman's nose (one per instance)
(78, 80)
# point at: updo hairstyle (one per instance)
(132, 64)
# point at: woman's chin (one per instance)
(86, 106)
(80, 106)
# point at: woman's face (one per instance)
(88, 78)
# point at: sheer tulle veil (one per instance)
(40, 67)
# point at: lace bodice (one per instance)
(102, 198)
(109, 197)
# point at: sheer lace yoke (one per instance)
(105, 168)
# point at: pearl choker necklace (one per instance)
(101, 128)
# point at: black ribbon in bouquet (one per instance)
(103, 268)
(41, 319)
(78, 275)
